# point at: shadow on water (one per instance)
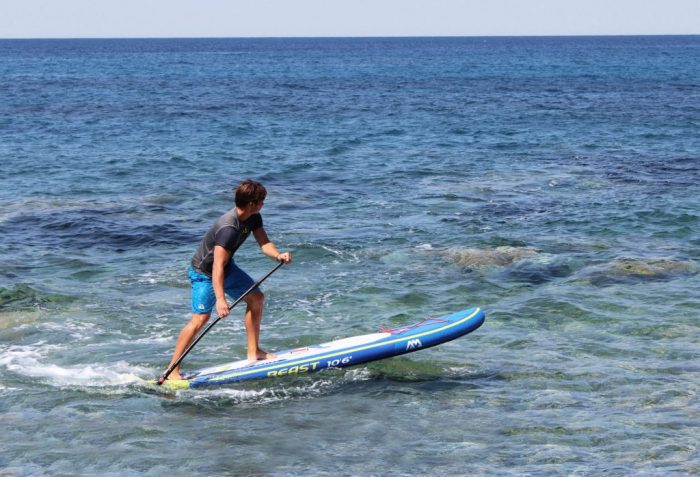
(539, 273)
(403, 369)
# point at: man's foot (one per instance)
(261, 354)
(175, 375)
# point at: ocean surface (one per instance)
(555, 182)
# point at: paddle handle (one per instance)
(170, 369)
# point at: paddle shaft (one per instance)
(211, 325)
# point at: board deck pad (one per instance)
(341, 353)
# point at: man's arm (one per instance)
(269, 248)
(221, 258)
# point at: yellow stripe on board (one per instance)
(353, 350)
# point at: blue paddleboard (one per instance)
(340, 353)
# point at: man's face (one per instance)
(257, 206)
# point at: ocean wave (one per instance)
(29, 361)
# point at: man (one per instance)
(213, 272)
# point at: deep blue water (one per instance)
(552, 181)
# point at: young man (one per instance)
(213, 272)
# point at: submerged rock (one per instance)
(639, 270)
(539, 271)
(653, 268)
(23, 297)
(498, 256)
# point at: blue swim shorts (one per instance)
(236, 283)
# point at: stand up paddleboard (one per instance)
(340, 353)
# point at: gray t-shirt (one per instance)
(229, 232)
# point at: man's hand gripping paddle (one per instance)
(167, 372)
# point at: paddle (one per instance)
(167, 372)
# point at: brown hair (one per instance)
(249, 191)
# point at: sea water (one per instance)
(555, 182)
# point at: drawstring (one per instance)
(396, 331)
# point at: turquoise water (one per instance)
(552, 181)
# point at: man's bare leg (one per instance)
(253, 318)
(186, 337)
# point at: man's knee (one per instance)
(255, 299)
(198, 320)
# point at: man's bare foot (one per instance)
(261, 354)
(175, 375)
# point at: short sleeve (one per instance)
(256, 222)
(226, 237)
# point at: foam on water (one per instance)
(264, 393)
(31, 362)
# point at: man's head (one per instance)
(250, 191)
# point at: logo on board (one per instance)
(414, 344)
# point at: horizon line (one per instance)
(330, 37)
